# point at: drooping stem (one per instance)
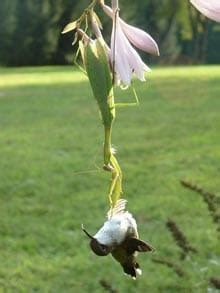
(87, 11)
(115, 21)
(114, 4)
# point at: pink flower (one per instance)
(124, 58)
(210, 8)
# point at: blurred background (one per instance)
(30, 30)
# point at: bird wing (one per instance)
(118, 209)
(134, 244)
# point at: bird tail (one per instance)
(132, 269)
(118, 209)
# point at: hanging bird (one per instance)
(119, 237)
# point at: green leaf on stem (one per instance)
(70, 27)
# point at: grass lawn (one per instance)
(51, 179)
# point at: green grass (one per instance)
(50, 146)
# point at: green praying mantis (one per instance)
(99, 74)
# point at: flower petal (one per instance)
(136, 63)
(107, 10)
(118, 55)
(140, 39)
(210, 9)
(136, 36)
(127, 60)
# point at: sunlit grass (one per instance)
(39, 76)
(51, 179)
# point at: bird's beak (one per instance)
(84, 230)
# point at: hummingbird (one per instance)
(119, 236)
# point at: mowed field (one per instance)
(51, 179)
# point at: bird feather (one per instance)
(118, 209)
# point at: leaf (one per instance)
(70, 27)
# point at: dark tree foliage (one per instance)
(30, 30)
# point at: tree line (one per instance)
(30, 30)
